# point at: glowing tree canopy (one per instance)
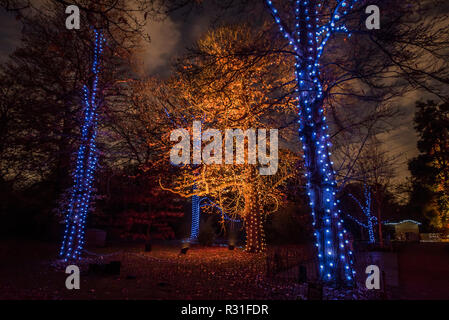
(229, 90)
(87, 158)
(312, 28)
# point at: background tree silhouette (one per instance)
(430, 169)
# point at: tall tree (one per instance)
(86, 161)
(226, 84)
(376, 169)
(366, 208)
(308, 39)
(430, 169)
(365, 70)
(48, 71)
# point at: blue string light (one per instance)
(207, 202)
(195, 227)
(87, 158)
(308, 40)
(196, 210)
(197, 204)
(366, 209)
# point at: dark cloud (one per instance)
(9, 34)
(170, 38)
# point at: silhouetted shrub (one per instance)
(207, 234)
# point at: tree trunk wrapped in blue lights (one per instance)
(87, 158)
(308, 38)
(195, 227)
(366, 209)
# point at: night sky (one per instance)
(170, 37)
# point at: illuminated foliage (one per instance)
(227, 83)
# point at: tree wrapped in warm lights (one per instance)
(227, 83)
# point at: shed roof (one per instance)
(401, 222)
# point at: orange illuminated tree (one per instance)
(227, 82)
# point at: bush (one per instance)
(290, 225)
(207, 234)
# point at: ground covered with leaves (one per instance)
(31, 270)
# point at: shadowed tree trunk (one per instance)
(378, 200)
(63, 165)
